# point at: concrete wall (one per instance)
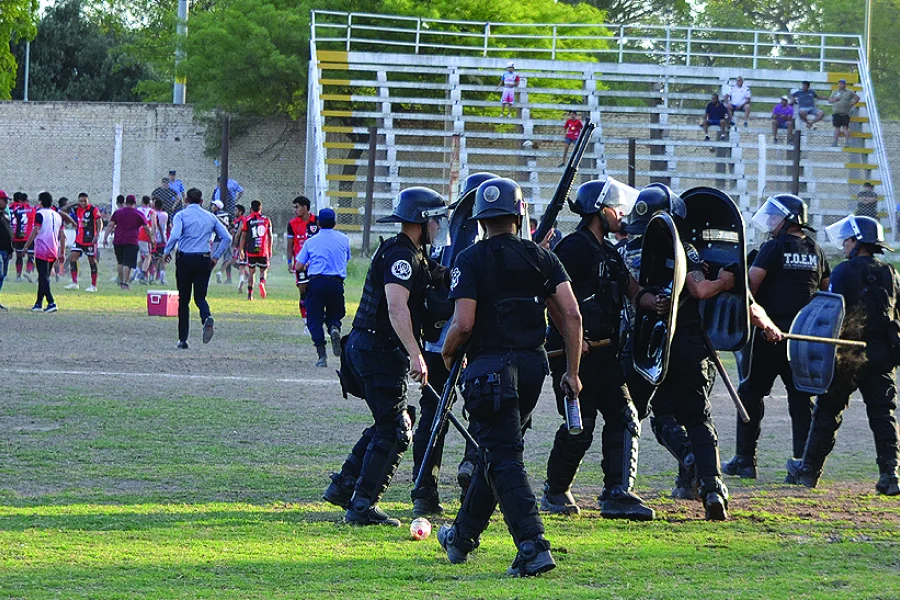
(67, 148)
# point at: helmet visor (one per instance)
(770, 216)
(441, 236)
(618, 196)
(843, 229)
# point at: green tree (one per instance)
(17, 22)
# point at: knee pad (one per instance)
(631, 419)
(403, 429)
(513, 491)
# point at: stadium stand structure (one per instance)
(431, 89)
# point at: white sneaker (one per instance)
(218, 276)
(71, 286)
(91, 289)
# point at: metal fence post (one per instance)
(795, 165)
(621, 43)
(370, 190)
(349, 29)
(487, 34)
(755, 48)
(418, 33)
(687, 58)
(632, 161)
(553, 47)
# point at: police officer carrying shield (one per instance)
(871, 291)
(788, 270)
(501, 286)
(601, 283)
(381, 348)
(426, 499)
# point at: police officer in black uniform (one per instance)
(501, 286)
(601, 283)
(426, 500)
(382, 348)
(788, 270)
(871, 291)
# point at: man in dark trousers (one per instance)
(324, 259)
(6, 245)
(192, 228)
(501, 287)
(871, 291)
(788, 270)
(383, 348)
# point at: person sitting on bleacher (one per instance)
(740, 99)
(782, 118)
(805, 99)
(716, 114)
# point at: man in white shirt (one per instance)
(740, 99)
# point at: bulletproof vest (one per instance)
(878, 297)
(689, 307)
(601, 296)
(372, 313)
(516, 280)
(788, 289)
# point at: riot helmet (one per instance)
(423, 206)
(779, 212)
(470, 184)
(498, 197)
(865, 230)
(654, 198)
(592, 196)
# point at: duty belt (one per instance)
(332, 277)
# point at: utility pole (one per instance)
(867, 32)
(179, 94)
(27, 69)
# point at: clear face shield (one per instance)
(619, 197)
(843, 229)
(438, 226)
(770, 216)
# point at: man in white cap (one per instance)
(509, 81)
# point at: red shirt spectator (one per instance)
(129, 222)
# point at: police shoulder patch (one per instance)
(454, 278)
(693, 255)
(641, 208)
(401, 269)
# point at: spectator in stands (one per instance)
(169, 198)
(572, 130)
(717, 115)
(842, 102)
(867, 201)
(740, 99)
(509, 81)
(235, 191)
(782, 118)
(177, 186)
(805, 99)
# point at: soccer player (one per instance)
(22, 224)
(256, 242)
(301, 227)
(85, 217)
(162, 236)
(146, 242)
(237, 257)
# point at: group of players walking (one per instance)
(495, 295)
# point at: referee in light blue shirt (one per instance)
(192, 228)
(324, 257)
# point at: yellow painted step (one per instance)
(859, 119)
(861, 134)
(339, 145)
(340, 178)
(340, 56)
(336, 129)
(853, 150)
(334, 66)
(341, 194)
(344, 227)
(349, 211)
(345, 82)
(340, 161)
(864, 166)
(862, 181)
(337, 113)
(835, 76)
(338, 97)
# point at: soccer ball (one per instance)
(420, 528)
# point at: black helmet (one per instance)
(866, 230)
(470, 184)
(498, 197)
(652, 199)
(412, 204)
(796, 207)
(592, 196)
(779, 212)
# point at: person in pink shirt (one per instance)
(782, 118)
(49, 240)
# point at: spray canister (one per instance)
(573, 411)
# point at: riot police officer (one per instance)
(655, 198)
(601, 283)
(501, 286)
(789, 268)
(871, 291)
(381, 348)
(426, 500)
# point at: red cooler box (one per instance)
(162, 303)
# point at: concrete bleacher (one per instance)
(436, 107)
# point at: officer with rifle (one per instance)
(788, 270)
(501, 287)
(439, 310)
(601, 283)
(871, 291)
(382, 348)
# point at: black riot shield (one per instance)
(663, 270)
(463, 231)
(812, 363)
(715, 227)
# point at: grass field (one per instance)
(131, 470)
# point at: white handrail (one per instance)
(887, 183)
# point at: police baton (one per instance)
(742, 412)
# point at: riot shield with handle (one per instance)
(812, 363)
(663, 269)
(715, 227)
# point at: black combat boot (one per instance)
(562, 503)
(715, 498)
(426, 501)
(340, 490)
(363, 511)
(620, 501)
(323, 356)
(532, 559)
(449, 540)
(800, 473)
(888, 484)
(742, 466)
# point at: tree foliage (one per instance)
(17, 22)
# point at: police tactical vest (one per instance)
(878, 296)
(516, 278)
(602, 295)
(788, 289)
(372, 313)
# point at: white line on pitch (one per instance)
(173, 376)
